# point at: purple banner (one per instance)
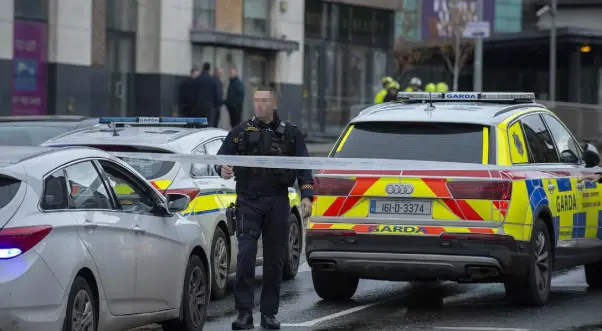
(437, 16)
(29, 68)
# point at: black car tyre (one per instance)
(220, 264)
(81, 307)
(293, 248)
(193, 309)
(533, 288)
(334, 285)
(593, 275)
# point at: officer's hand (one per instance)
(592, 178)
(227, 172)
(306, 205)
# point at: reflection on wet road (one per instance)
(425, 306)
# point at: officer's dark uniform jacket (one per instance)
(278, 138)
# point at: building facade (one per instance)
(127, 57)
(347, 52)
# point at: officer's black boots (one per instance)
(244, 320)
(269, 322)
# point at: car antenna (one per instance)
(430, 106)
(115, 134)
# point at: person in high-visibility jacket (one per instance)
(380, 96)
(414, 85)
(392, 90)
(442, 87)
(430, 87)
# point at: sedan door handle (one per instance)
(551, 187)
(138, 230)
(88, 225)
(580, 185)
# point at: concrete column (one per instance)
(163, 54)
(288, 67)
(69, 57)
(6, 55)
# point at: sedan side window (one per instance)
(208, 148)
(85, 187)
(539, 140)
(55, 192)
(132, 195)
(565, 143)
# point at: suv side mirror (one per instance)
(591, 157)
(177, 202)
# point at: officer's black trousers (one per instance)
(267, 215)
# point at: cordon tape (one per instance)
(326, 163)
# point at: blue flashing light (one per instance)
(154, 120)
(9, 253)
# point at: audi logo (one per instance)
(397, 189)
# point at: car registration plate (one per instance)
(401, 207)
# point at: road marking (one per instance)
(340, 314)
(476, 328)
(304, 267)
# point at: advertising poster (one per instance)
(29, 68)
(437, 16)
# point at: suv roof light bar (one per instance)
(517, 97)
(187, 121)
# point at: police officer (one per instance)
(380, 96)
(262, 204)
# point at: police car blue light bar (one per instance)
(467, 96)
(154, 120)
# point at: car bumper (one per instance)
(32, 298)
(407, 258)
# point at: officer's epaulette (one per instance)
(250, 126)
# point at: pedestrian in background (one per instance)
(208, 92)
(235, 98)
(188, 95)
(262, 205)
(217, 111)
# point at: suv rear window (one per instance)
(8, 190)
(445, 142)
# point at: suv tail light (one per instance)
(190, 192)
(17, 241)
(480, 190)
(333, 186)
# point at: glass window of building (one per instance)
(313, 19)
(343, 14)
(203, 14)
(257, 13)
(31, 9)
(384, 24)
(122, 15)
(362, 22)
(122, 23)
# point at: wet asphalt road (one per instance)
(424, 306)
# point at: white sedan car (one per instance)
(74, 255)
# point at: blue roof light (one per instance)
(154, 120)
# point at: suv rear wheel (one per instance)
(593, 274)
(533, 288)
(334, 285)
